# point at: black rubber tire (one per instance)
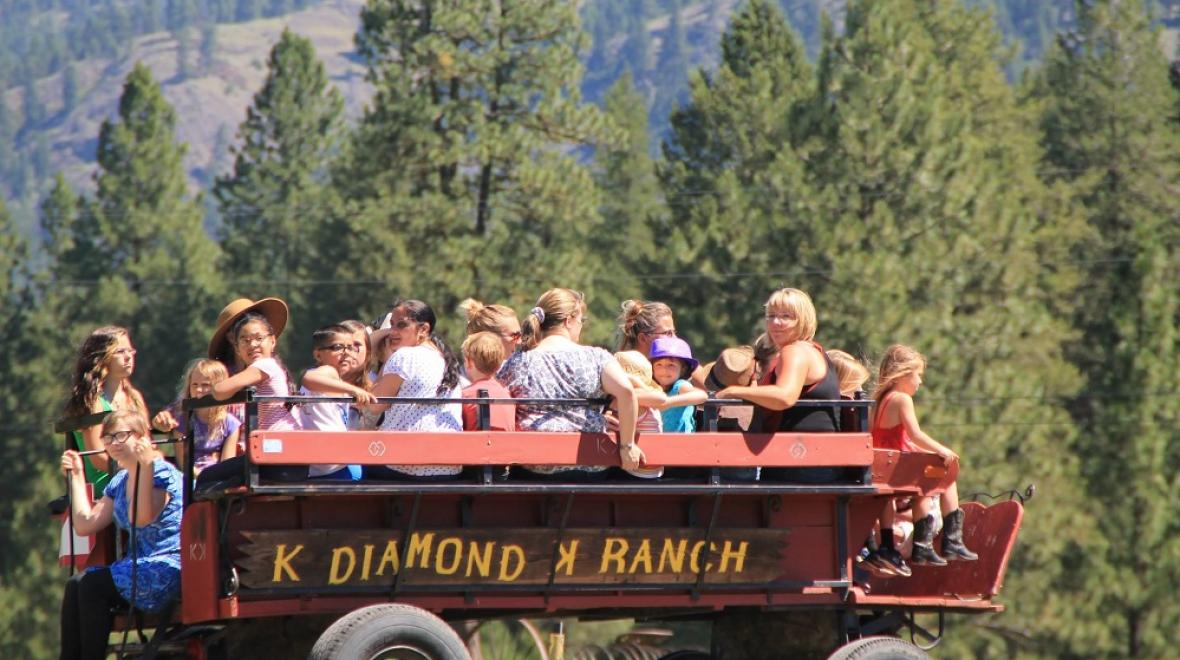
(364, 633)
(879, 648)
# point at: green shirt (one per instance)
(94, 475)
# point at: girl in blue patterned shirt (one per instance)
(154, 496)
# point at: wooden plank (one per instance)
(318, 558)
(499, 448)
(912, 472)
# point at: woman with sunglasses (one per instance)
(497, 319)
(146, 493)
(102, 383)
(641, 322)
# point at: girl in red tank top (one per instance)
(895, 426)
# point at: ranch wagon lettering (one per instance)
(371, 557)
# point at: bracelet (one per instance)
(622, 446)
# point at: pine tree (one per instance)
(273, 204)
(31, 347)
(141, 257)
(1108, 130)
(630, 194)
(929, 226)
(464, 145)
(730, 147)
(898, 186)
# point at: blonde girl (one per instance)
(650, 397)
(895, 426)
(101, 382)
(215, 430)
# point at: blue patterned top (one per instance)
(157, 544)
(678, 419)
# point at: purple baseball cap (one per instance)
(673, 347)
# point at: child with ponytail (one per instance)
(895, 426)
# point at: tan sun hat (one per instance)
(734, 366)
(273, 309)
(638, 370)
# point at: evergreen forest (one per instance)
(991, 182)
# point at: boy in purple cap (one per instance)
(671, 364)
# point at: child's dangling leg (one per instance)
(952, 532)
(923, 553)
(889, 558)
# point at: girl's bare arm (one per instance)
(388, 385)
(905, 409)
(247, 377)
(688, 396)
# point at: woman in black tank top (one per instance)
(791, 325)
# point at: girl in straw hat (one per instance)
(251, 331)
(650, 397)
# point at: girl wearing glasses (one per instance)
(148, 486)
(337, 352)
(101, 383)
(252, 336)
(799, 371)
(640, 323)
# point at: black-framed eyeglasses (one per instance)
(117, 436)
(404, 323)
(337, 348)
(659, 333)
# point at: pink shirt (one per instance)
(274, 416)
(503, 415)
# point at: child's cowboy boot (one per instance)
(952, 538)
(924, 553)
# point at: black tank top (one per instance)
(812, 420)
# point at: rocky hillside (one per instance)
(210, 102)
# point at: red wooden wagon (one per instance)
(390, 563)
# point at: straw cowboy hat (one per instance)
(734, 366)
(273, 309)
(638, 370)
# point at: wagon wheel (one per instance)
(389, 632)
(879, 648)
